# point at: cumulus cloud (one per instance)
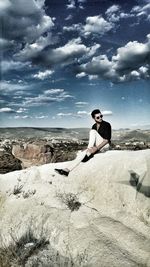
(43, 75)
(114, 14)
(26, 22)
(27, 31)
(66, 54)
(96, 24)
(32, 50)
(93, 25)
(132, 54)
(130, 62)
(80, 75)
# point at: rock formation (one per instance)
(33, 154)
(98, 216)
(8, 162)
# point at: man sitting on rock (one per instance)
(99, 140)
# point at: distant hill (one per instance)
(37, 132)
(135, 135)
(122, 135)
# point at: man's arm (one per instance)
(96, 148)
(105, 141)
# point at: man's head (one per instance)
(96, 115)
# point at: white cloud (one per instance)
(6, 110)
(73, 27)
(45, 25)
(49, 96)
(43, 75)
(83, 112)
(71, 4)
(93, 49)
(135, 74)
(143, 10)
(80, 75)
(130, 62)
(107, 112)
(69, 17)
(81, 103)
(131, 55)
(53, 91)
(66, 54)
(112, 9)
(33, 49)
(93, 77)
(114, 14)
(7, 87)
(64, 114)
(12, 65)
(23, 21)
(97, 24)
(22, 117)
(41, 117)
(4, 5)
(21, 110)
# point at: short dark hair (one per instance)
(94, 112)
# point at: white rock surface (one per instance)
(111, 221)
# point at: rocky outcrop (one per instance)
(8, 162)
(33, 154)
(97, 216)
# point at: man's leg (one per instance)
(94, 140)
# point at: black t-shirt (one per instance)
(104, 130)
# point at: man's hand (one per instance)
(93, 150)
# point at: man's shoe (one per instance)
(62, 172)
(86, 158)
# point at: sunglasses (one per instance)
(98, 117)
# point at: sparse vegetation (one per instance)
(20, 249)
(17, 189)
(31, 251)
(70, 200)
(28, 193)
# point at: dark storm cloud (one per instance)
(23, 21)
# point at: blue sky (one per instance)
(63, 58)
